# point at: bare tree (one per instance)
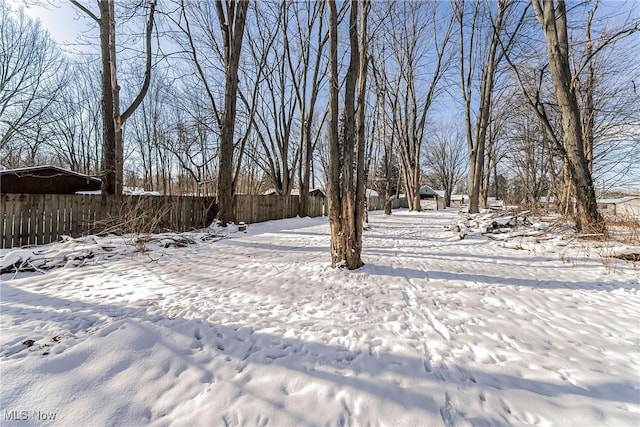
(530, 156)
(480, 43)
(445, 158)
(112, 119)
(566, 82)
(232, 16)
(552, 16)
(172, 133)
(147, 129)
(605, 65)
(346, 173)
(32, 74)
(573, 81)
(387, 171)
(305, 58)
(419, 40)
(274, 121)
(224, 40)
(496, 144)
(74, 122)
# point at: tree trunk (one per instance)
(304, 173)
(477, 139)
(349, 157)
(588, 114)
(115, 90)
(232, 26)
(346, 185)
(411, 175)
(475, 176)
(359, 45)
(388, 170)
(554, 25)
(333, 178)
(108, 126)
(388, 205)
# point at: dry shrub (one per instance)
(624, 229)
(537, 209)
(139, 215)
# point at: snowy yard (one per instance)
(257, 329)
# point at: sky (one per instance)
(60, 18)
(67, 25)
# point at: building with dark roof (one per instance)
(46, 180)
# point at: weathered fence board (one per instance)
(316, 206)
(7, 224)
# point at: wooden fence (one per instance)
(36, 219)
(376, 203)
(252, 209)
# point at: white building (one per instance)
(625, 206)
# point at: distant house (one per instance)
(430, 199)
(46, 180)
(427, 192)
(625, 206)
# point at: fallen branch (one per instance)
(627, 257)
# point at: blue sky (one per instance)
(66, 24)
(60, 18)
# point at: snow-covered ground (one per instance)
(257, 329)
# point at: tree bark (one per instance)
(333, 178)
(108, 127)
(115, 90)
(588, 107)
(232, 22)
(359, 45)
(349, 157)
(552, 17)
(346, 154)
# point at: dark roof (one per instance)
(46, 180)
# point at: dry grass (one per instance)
(624, 229)
(620, 231)
(136, 217)
(537, 209)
